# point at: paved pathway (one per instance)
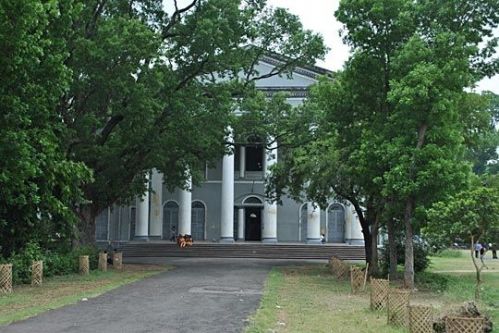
(200, 295)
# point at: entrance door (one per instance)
(170, 219)
(253, 223)
(198, 220)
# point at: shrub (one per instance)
(54, 263)
(421, 260)
(432, 281)
(22, 261)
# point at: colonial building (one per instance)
(230, 204)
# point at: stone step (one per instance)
(252, 250)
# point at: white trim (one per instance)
(293, 73)
(236, 181)
(205, 214)
(252, 204)
(170, 200)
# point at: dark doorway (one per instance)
(253, 223)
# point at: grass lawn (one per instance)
(27, 301)
(461, 286)
(309, 299)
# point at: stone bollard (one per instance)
(37, 273)
(103, 261)
(84, 265)
(118, 260)
(5, 279)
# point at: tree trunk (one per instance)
(478, 270)
(409, 249)
(86, 225)
(392, 250)
(373, 264)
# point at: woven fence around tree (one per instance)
(5, 278)
(356, 279)
(118, 260)
(102, 261)
(398, 307)
(37, 273)
(84, 265)
(420, 319)
(340, 269)
(379, 293)
(464, 325)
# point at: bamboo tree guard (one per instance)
(420, 319)
(398, 307)
(356, 279)
(37, 273)
(379, 293)
(118, 260)
(84, 265)
(464, 325)
(103, 261)
(340, 269)
(5, 278)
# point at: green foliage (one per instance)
(38, 184)
(54, 262)
(21, 262)
(449, 253)
(155, 89)
(421, 256)
(429, 281)
(469, 215)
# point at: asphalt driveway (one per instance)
(199, 295)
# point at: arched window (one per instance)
(198, 220)
(336, 224)
(170, 219)
(252, 201)
(303, 223)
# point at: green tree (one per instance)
(38, 184)
(471, 215)
(390, 131)
(156, 89)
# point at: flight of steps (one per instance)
(244, 250)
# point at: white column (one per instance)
(269, 231)
(240, 224)
(313, 223)
(356, 232)
(142, 215)
(185, 209)
(242, 161)
(227, 212)
(156, 205)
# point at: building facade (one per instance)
(230, 204)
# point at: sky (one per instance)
(318, 15)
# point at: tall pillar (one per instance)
(313, 224)
(185, 209)
(242, 161)
(356, 236)
(142, 215)
(269, 231)
(240, 224)
(156, 205)
(227, 212)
